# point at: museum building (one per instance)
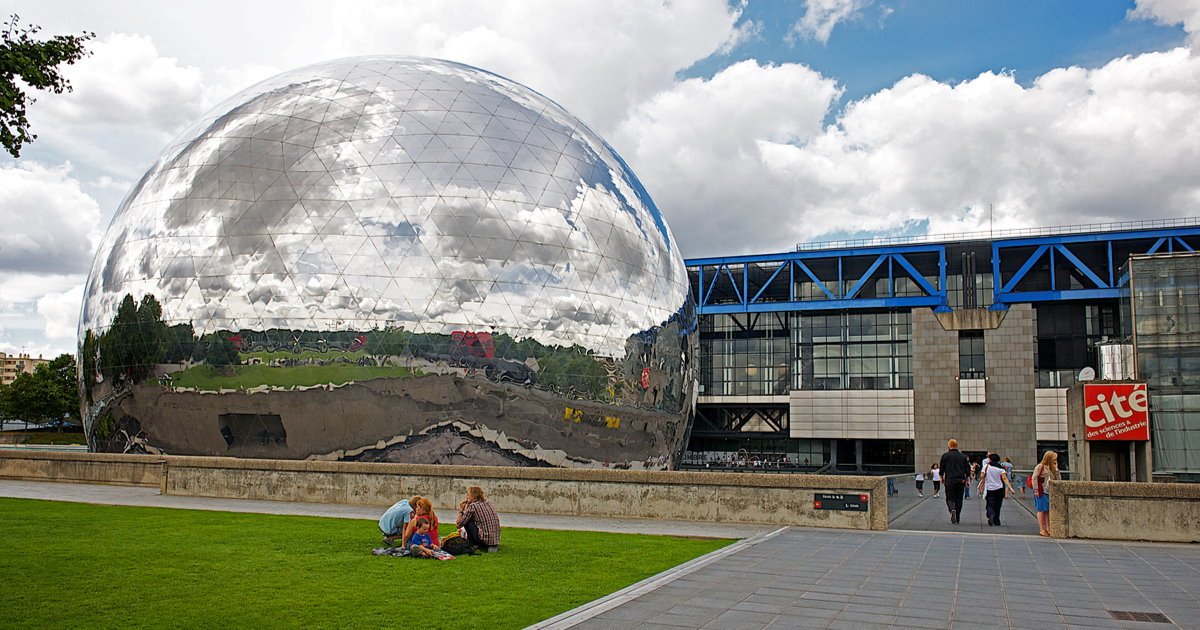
(867, 356)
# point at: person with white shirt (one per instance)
(992, 484)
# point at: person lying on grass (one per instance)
(420, 544)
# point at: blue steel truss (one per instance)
(1105, 280)
(730, 277)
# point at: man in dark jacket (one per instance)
(955, 469)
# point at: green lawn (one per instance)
(47, 437)
(249, 376)
(329, 355)
(78, 565)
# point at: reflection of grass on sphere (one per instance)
(155, 567)
(250, 376)
(283, 355)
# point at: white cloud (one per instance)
(23, 328)
(1118, 142)
(61, 312)
(697, 148)
(125, 81)
(50, 223)
(821, 16)
(597, 59)
(126, 102)
(1170, 13)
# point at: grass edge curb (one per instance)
(593, 608)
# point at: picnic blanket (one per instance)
(401, 552)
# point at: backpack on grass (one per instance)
(457, 545)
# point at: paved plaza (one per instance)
(907, 511)
(811, 578)
(827, 578)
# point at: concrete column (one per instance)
(1006, 423)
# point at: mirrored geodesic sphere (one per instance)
(390, 259)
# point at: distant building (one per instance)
(867, 356)
(13, 364)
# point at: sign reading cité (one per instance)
(1116, 411)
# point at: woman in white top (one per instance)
(992, 484)
(920, 478)
(936, 475)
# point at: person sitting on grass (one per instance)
(477, 520)
(423, 508)
(394, 520)
(420, 544)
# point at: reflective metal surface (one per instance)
(390, 258)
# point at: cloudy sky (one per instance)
(754, 125)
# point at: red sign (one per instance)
(1116, 411)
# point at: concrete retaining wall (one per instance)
(692, 496)
(123, 470)
(1160, 512)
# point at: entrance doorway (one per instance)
(1110, 461)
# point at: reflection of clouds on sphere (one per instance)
(367, 192)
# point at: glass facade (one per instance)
(1166, 317)
(1067, 334)
(768, 354)
(853, 350)
(381, 252)
(745, 355)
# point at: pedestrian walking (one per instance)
(992, 487)
(1006, 464)
(954, 469)
(972, 475)
(1043, 475)
(920, 479)
(935, 474)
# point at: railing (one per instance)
(999, 234)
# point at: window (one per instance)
(853, 351)
(970, 354)
(744, 355)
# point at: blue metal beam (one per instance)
(1062, 249)
(918, 277)
(1164, 240)
(1017, 277)
(812, 276)
(865, 277)
(767, 283)
(826, 305)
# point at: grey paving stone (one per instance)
(920, 622)
(845, 624)
(684, 621)
(601, 623)
(870, 608)
(622, 613)
(798, 623)
(820, 604)
(863, 617)
(749, 617)
(773, 609)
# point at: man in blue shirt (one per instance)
(394, 520)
